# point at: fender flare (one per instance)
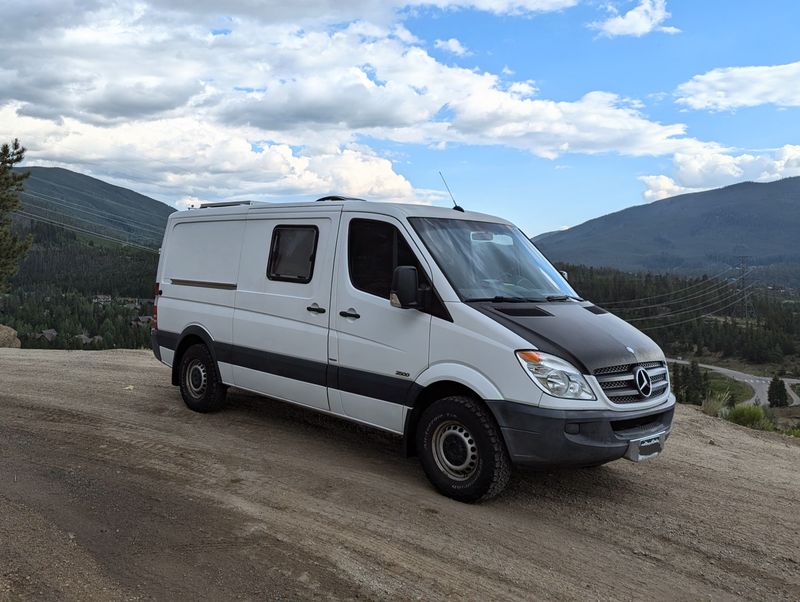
(461, 374)
(202, 334)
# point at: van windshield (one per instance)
(486, 261)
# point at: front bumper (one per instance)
(544, 438)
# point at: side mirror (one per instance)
(564, 275)
(405, 286)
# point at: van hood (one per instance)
(580, 332)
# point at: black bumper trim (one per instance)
(154, 344)
(538, 437)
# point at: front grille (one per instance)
(619, 385)
(612, 369)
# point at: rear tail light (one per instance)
(156, 294)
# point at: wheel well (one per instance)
(185, 343)
(426, 397)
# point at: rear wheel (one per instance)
(462, 450)
(201, 388)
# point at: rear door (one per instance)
(282, 312)
(379, 350)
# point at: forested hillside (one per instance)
(88, 278)
(700, 316)
(77, 292)
(86, 203)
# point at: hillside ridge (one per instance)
(698, 232)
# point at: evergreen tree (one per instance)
(695, 390)
(677, 382)
(11, 247)
(776, 394)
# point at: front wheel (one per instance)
(462, 449)
(201, 387)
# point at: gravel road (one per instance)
(111, 490)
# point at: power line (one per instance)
(45, 220)
(99, 198)
(700, 307)
(131, 230)
(717, 288)
(99, 225)
(747, 310)
(710, 280)
(93, 211)
(690, 319)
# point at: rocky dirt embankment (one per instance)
(110, 489)
(8, 338)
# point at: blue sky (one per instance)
(566, 60)
(547, 112)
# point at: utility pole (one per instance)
(746, 309)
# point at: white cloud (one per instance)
(189, 202)
(733, 87)
(661, 187)
(452, 46)
(154, 101)
(644, 18)
(181, 160)
(712, 167)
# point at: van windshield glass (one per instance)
(491, 262)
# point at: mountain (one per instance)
(58, 195)
(694, 233)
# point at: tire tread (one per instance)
(501, 473)
(217, 391)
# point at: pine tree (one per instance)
(776, 394)
(12, 248)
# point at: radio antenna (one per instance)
(455, 205)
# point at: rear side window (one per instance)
(374, 250)
(292, 253)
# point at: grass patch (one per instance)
(720, 383)
(754, 417)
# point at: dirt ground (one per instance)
(110, 489)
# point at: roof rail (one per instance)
(336, 197)
(225, 204)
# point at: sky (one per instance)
(546, 112)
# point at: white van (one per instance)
(446, 327)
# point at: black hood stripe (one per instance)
(584, 338)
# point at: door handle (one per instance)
(350, 314)
(316, 309)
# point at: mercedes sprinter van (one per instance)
(446, 327)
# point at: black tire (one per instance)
(462, 450)
(201, 387)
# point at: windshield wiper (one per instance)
(503, 299)
(562, 298)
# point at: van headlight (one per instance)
(555, 376)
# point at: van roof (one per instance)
(398, 210)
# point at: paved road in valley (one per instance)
(760, 384)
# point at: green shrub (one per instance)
(794, 431)
(750, 416)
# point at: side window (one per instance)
(291, 253)
(374, 250)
